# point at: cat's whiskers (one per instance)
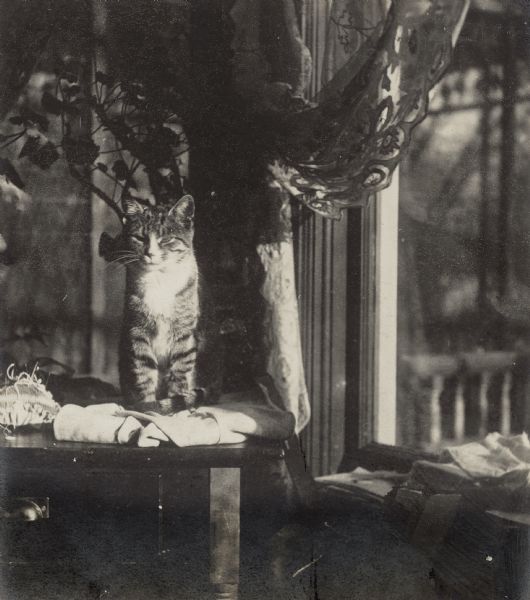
(130, 261)
(124, 254)
(123, 259)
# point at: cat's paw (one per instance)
(146, 406)
(166, 406)
(170, 406)
(182, 401)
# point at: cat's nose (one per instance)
(152, 251)
(152, 257)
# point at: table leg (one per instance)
(224, 532)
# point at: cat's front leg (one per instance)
(181, 374)
(138, 370)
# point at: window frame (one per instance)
(371, 324)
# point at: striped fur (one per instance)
(158, 348)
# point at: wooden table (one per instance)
(30, 451)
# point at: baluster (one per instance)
(459, 412)
(506, 403)
(436, 422)
(485, 379)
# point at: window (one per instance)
(464, 269)
(436, 266)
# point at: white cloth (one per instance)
(227, 423)
(97, 424)
(495, 457)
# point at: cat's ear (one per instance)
(131, 206)
(183, 211)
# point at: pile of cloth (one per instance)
(238, 416)
(494, 472)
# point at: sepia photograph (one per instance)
(264, 299)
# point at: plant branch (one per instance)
(128, 140)
(111, 151)
(95, 190)
(16, 137)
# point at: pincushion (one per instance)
(24, 400)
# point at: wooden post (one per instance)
(485, 195)
(460, 412)
(506, 410)
(106, 284)
(386, 287)
(507, 174)
(436, 423)
(485, 379)
(224, 532)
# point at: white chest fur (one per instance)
(160, 288)
(161, 343)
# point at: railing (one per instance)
(458, 398)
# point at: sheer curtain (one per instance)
(381, 60)
(380, 70)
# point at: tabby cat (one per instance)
(158, 347)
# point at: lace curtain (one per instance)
(380, 63)
(345, 143)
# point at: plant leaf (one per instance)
(80, 151)
(104, 79)
(51, 104)
(7, 169)
(70, 77)
(30, 147)
(31, 117)
(120, 170)
(45, 156)
(40, 151)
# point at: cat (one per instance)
(159, 339)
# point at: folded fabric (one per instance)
(185, 428)
(227, 423)
(223, 424)
(495, 457)
(238, 415)
(492, 474)
(97, 424)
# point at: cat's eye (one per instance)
(138, 239)
(172, 245)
